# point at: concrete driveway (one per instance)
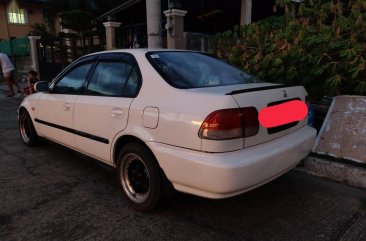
(51, 193)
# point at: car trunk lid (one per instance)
(262, 96)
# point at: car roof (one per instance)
(138, 51)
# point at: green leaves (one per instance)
(361, 87)
(323, 46)
(335, 81)
(40, 29)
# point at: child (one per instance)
(32, 80)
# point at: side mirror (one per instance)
(42, 86)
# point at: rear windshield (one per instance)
(186, 70)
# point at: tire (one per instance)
(139, 177)
(26, 129)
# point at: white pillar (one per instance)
(110, 34)
(246, 12)
(153, 16)
(34, 52)
(175, 28)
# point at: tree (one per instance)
(54, 8)
(40, 29)
(79, 21)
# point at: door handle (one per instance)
(117, 113)
(66, 107)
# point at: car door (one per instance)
(102, 111)
(55, 109)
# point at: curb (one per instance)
(352, 175)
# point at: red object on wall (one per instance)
(281, 114)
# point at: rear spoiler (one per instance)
(234, 92)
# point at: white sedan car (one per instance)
(167, 118)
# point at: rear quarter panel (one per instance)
(181, 112)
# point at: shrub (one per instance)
(318, 44)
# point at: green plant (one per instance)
(40, 29)
(80, 21)
(318, 44)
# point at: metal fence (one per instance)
(198, 41)
(15, 46)
(18, 50)
(56, 53)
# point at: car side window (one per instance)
(113, 78)
(73, 81)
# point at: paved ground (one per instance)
(4, 87)
(51, 193)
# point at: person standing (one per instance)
(8, 73)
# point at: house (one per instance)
(17, 17)
(16, 20)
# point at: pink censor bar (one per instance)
(282, 114)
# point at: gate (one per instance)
(55, 54)
(52, 57)
(198, 41)
(131, 36)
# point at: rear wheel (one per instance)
(26, 129)
(138, 175)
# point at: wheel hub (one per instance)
(135, 178)
(138, 176)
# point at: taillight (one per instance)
(250, 121)
(230, 124)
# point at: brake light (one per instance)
(230, 124)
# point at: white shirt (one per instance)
(6, 64)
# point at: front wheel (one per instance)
(26, 129)
(138, 175)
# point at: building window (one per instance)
(16, 15)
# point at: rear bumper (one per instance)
(221, 175)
